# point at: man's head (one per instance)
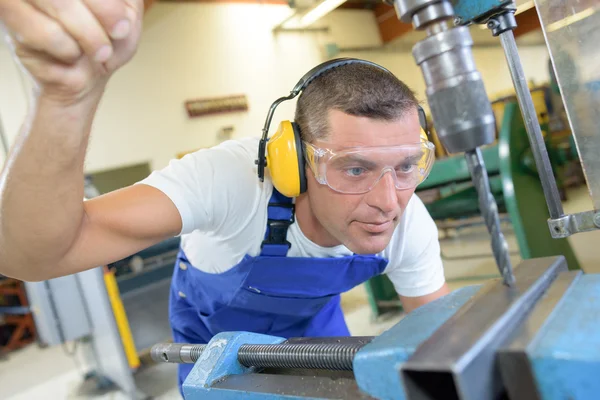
(357, 106)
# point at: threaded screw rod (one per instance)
(181, 353)
(330, 356)
(307, 356)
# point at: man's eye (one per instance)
(356, 171)
(406, 168)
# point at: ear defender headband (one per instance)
(284, 151)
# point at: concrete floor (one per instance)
(33, 373)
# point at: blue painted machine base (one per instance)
(219, 359)
(564, 356)
(376, 366)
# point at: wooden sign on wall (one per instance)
(218, 105)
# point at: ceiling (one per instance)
(402, 36)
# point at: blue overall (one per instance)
(270, 293)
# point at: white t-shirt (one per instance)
(223, 207)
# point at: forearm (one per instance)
(41, 187)
(411, 303)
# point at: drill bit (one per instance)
(489, 211)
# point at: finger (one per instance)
(30, 28)
(113, 16)
(67, 81)
(135, 9)
(81, 24)
(136, 5)
(43, 67)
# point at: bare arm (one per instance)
(411, 303)
(46, 230)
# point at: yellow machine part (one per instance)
(539, 103)
(121, 318)
(440, 151)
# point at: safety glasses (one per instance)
(357, 170)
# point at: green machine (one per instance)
(449, 195)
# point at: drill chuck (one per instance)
(459, 104)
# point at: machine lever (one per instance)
(502, 25)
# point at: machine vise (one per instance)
(538, 339)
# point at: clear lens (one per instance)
(359, 170)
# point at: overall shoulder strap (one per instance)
(280, 216)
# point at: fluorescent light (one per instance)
(571, 19)
(321, 9)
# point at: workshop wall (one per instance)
(192, 50)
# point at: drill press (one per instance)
(533, 337)
(459, 104)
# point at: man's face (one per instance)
(363, 222)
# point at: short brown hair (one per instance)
(356, 89)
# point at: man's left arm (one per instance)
(411, 303)
(416, 267)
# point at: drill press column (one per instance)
(461, 110)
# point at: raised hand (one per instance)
(71, 47)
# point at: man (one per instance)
(237, 270)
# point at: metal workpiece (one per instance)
(515, 368)
(181, 353)
(459, 359)
(305, 356)
(376, 364)
(489, 212)
(456, 95)
(405, 9)
(570, 224)
(534, 132)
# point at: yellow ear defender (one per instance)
(283, 152)
(285, 160)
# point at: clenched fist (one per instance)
(71, 47)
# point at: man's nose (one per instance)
(384, 195)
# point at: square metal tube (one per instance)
(459, 360)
